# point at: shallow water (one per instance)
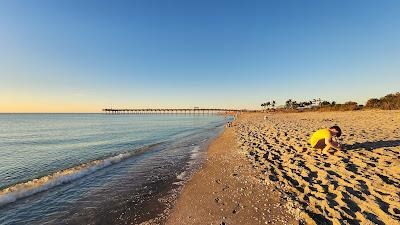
(96, 168)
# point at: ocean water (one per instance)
(97, 168)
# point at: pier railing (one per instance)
(170, 111)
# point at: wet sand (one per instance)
(227, 191)
(263, 171)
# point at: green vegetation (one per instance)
(268, 105)
(388, 102)
(340, 107)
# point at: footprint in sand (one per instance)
(360, 185)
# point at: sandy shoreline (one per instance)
(260, 170)
(226, 191)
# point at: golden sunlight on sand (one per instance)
(359, 185)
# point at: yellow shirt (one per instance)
(320, 135)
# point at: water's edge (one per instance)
(171, 189)
(132, 169)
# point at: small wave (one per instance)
(195, 149)
(22, 190)
(182, 175)
(195, 153)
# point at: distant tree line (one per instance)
(340, 107)
(390, 101)
(292, 104)
(268, 105)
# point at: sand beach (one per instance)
(226, 190)
(263, 171)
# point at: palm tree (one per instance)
(295, 104)
(314, 101)
(288, 103)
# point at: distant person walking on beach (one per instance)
(322, 139)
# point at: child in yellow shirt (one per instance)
(322, 139)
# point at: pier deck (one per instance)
(170, 111)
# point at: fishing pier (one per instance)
(171, 111)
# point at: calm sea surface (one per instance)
(97, 168)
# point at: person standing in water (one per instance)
(322, 139)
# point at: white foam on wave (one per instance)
(194, 155)
(196, 149)
(22, 190)
(182, 175)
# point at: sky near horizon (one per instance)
(82, 56)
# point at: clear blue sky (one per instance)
(85, 55)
